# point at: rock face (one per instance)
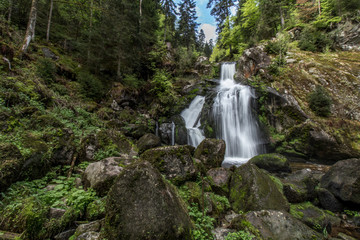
(252, 60)
(252, 190)
(180, 132)
(348, 37)
(148, 141)
(211, 152)
(272, 162)
(280, 225)
(219, 179)
(100, 175)
(328, 201)
(174, 161)
(343, 180)
(141, 205)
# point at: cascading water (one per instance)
(191, 116)
(172, 133)
(234, 120)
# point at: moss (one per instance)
(241, 224)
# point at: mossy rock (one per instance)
(175, 162)
(272, 162)
(252, 190)
(11, 162)
(141, 205)
(312, 216)
(148, 141)
(219, 179)
(96, 209)
(211, 152)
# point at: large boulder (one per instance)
(271, 162)
(280, 226)
(219, 179)
(175, 162)
(101, 175)
(348, 36)
(211, 152)
(251, 189)
(148, 141)
(252, 60)
(141, 205)
(300, 186)
(343, 180)
(328, 201)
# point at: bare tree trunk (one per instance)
(49, 21)
(282, 18)
(141, 8)
(319, 6)
(90, 28)
(30, 30)
(10, 11)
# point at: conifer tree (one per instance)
(169, 10)
(187, 23)
(220, 10)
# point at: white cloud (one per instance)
(210, 31)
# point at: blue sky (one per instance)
(206, 21)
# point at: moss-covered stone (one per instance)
(174, 161)
(312, 216)
(219, 179)
(211, 152)
(272, 162)
(251, 189)
(96, 209)
(141, 205)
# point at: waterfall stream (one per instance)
(191, 116)
(234, 120)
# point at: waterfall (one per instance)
(234, 120)
(172, 133)
(191, 116)
(157, 128)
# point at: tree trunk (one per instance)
(164, 31)
(282, 18)
(319, 6)
(140, 8)
(90, 28)
(49, 21)
(30, 30)
(10, 11)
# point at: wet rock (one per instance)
(211, 152)
(280, 225)
(328, 201)
(141, 205)
(219, 180)
(343, 180)
(100, 175)
(180, 130)
(165, 133)
(271, 162)
(300, 186)
(148, 141)
(313, 216)
(251, 189)
(175, 162)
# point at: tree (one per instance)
(30, 30)
(187, 23)
(169, 10)
(49, 21)
(208, 49)
(201, 40)
(220, 10)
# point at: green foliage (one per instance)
(352, 213)
(320, 102)
(91, 86)
(46, 69)
(130, 80)
(275, 66)
(314, 40)
(162, 87)
(240, 235)
(203, 223)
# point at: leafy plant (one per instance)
(91, 86)
(240, 235)
(46, 69)
(203, 223)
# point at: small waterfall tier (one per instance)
(191, 115)
(234, 120)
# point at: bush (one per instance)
(91, 86)
(314, 40)
(320, 102)
(46, 69)
(130, 80)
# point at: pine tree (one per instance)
(201, 40)
(220, 10)
(169, 10)
(187, 23)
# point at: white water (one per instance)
(234, 120)
(191, 116)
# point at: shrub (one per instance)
(130, 80)
(240, 235)
(46, 69)
(314, 40)
(320, 102)
(91, 86)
